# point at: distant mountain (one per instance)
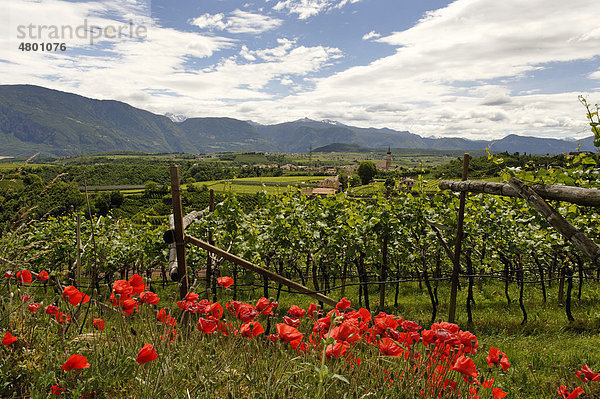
(175, 118)
(36, 119)
(224, 134)
(342, 147)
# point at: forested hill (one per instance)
(36, 119)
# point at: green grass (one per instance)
(253, 185)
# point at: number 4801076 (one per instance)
(42, 46)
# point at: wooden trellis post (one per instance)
(179, 237)
(459, 236)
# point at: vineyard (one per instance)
(518, 278)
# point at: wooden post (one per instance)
(580, 240)
(179, 234)
(574, 195)
(459, 236)
(79, 250)
(210, 286)
(257, 269)
(384, 266)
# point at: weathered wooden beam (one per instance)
(574, 195)
(580, 240)
(458, 243)
(257, 269)
(179, 233)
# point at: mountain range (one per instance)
(37, 119)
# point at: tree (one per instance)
(366, 171)
(390, 183)
(343, 179)
(354, 181)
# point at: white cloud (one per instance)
(371, 35)
(238, 22)
(208, 21)
(462, 58)
(307, 8)
(595, 75)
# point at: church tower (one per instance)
(388, 160)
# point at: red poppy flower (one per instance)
(122, 287)
(74, 296)
(225, 282)
(246, 312)
(8, 274)
(25, 298)
(498, 393)
(215, 310)
(137, 284)
(384, 321)
(57, 390)
(207, 326)
(365, 315)
(8, 339)
(252, 329)
(428, 337)
(411, 326)
(344, 303)
(289, 334)
(60, 317)
(265, 307)
(388, 347)
(297, 311)
(321, 326)
(291, 321)
(52, 310)
(453, 328)
(262, 304)
(346, 332)
(43, 275)
(147, 354)
(498, 358)
(165, 318)
(562, 391)
(338, 349)
(99, 324)
(588, 374)
(161, 315)
(469, 341)
(466, 366)
(446, 336)
(149, 297)
(312, 308)
(34, 307)
(24, 276)
(129, 305)
(191, 296)
(76, 362)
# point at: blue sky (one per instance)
(464, 68)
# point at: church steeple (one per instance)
(388, 160)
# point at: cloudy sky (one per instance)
(468, 68)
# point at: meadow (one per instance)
(199, 348)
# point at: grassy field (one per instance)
(544, 353)
(253, 185)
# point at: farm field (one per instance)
(253, 185)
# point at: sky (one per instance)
(478, 69)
